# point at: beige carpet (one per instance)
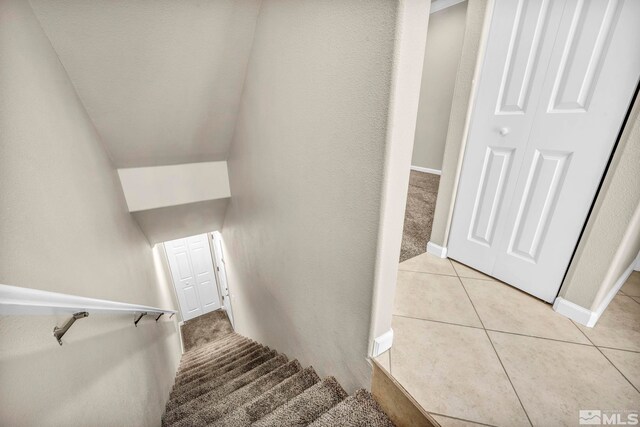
(236, 382)
(205, 329)
(418, 217)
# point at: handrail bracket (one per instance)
(59, 332)
(136, 319)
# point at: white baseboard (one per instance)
(426, 170)
(436, 250)
(382, 343)
(588, 317)
(574, 312)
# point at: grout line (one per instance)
(426, 272)
(438, 321)
(609, 360)
(541, 338)
(460, 419)
(619, 349)
(497, 355)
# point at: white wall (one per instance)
(65, 227)
(442, 55)
(160, 79)
(306, 170)
(160, 186)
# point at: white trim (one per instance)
(438, 5)
(426, 170)
(637, 265)
(17, 300)
(436, 250)
(587, 317)
(574, 312)
(382, 343)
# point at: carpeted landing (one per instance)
(235, 382)
(418, 215)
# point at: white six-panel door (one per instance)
(193, 276)
(555, 85)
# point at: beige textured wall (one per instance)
(65, 228)
(160, 79)
(306, 170)
(611, 240)
(176, 222)
(477, 11)
(442, 55)
(408, 57)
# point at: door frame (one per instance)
(229, 309)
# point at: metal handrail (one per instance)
(15, 300)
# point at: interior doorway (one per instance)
(193, 275)
(443, 49)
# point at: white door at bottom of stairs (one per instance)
(193, 275)
(221, 267)
(555, 85)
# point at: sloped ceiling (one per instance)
(161, 79)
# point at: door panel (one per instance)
(559, 123)
(193, 276)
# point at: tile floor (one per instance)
(470, 359)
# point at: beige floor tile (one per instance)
(504, 308)
(427, 263)
(556, 379)
(434, 297)
(636, 299)
(454, 422)
(453, 370)
(383, 359)
(632, 286)
(628, 362)
(619, 325)
(464, 271)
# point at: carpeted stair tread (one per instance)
(185, 395)
(209, 412)
(212, 374)
(186, 366)
(206, 367)
(194, 352)
(209, 352)
(213, 396)
(307, 406)
(213, 346)
(229, 352)
(270, 400)
(359, 410)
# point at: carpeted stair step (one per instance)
(210, 412)
(185, 395)
(215, 353)
(359, 410)
(224, 388)
(270, 400)
(194, 352)
(213, 346)
(207, 366)
(307, 406)
(208, 352)
(222, 370)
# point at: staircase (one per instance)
(235, 382)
